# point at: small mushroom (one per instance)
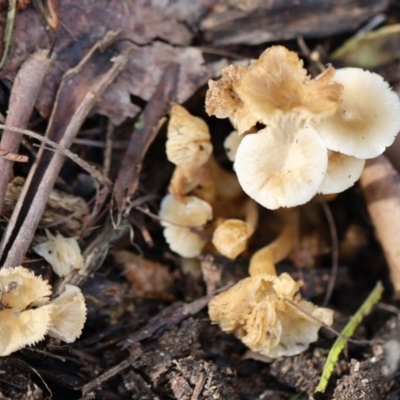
(276, 85)
(27, 314)
(282, 166)
(267, 315)
(63, 254)
(188, 140)
(343, 171)
(183, 222)
(231, 236)
(367, 120)
(68, 315)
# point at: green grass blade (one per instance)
(346, 333)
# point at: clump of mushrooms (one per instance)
(27, 314)
(201, 191)
(318, 131)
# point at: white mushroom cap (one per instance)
(282, 166)
(68, 315)
(62, 253)
(193, 212)
(343, 171)
(368, 118)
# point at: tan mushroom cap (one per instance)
(343, 171)
(188, 138)
(277, 84)
(368, 118)
(223, 101)
(63, 254)
(193, 212)
(282, 166)
(256, 311)
(68, 315)
(21, 288)
(22, 328)
(231, 236)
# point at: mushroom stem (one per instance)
(263, 261)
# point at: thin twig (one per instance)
(335, 251)
(61, 149)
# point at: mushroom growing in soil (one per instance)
(282, 166)
(231, 236)
(267, 315)
(27, 314)
(183, 222)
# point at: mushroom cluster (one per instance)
(27, 314)
(201, 192)
(318, 132)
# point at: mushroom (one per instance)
(267, 315)
(63, 254)
(282, 166)
(276, 85)
(183, 222)
(188, 140)
(367, 120)
(342, 172)
(231, 236)
(27, 314)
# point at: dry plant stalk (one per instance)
(23, 97)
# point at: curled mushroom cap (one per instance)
(188, 138)
(282, 166)
(68, 315)
(277, 84)
(367, 120)
(20, 329)
(223, 101)
(193, 212)
(259, 310)
(343, 171)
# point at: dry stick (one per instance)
(23, 97)
(28, 227)
(95, 173)
(335, 252)
(109, 148)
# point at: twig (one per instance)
(335, 251)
